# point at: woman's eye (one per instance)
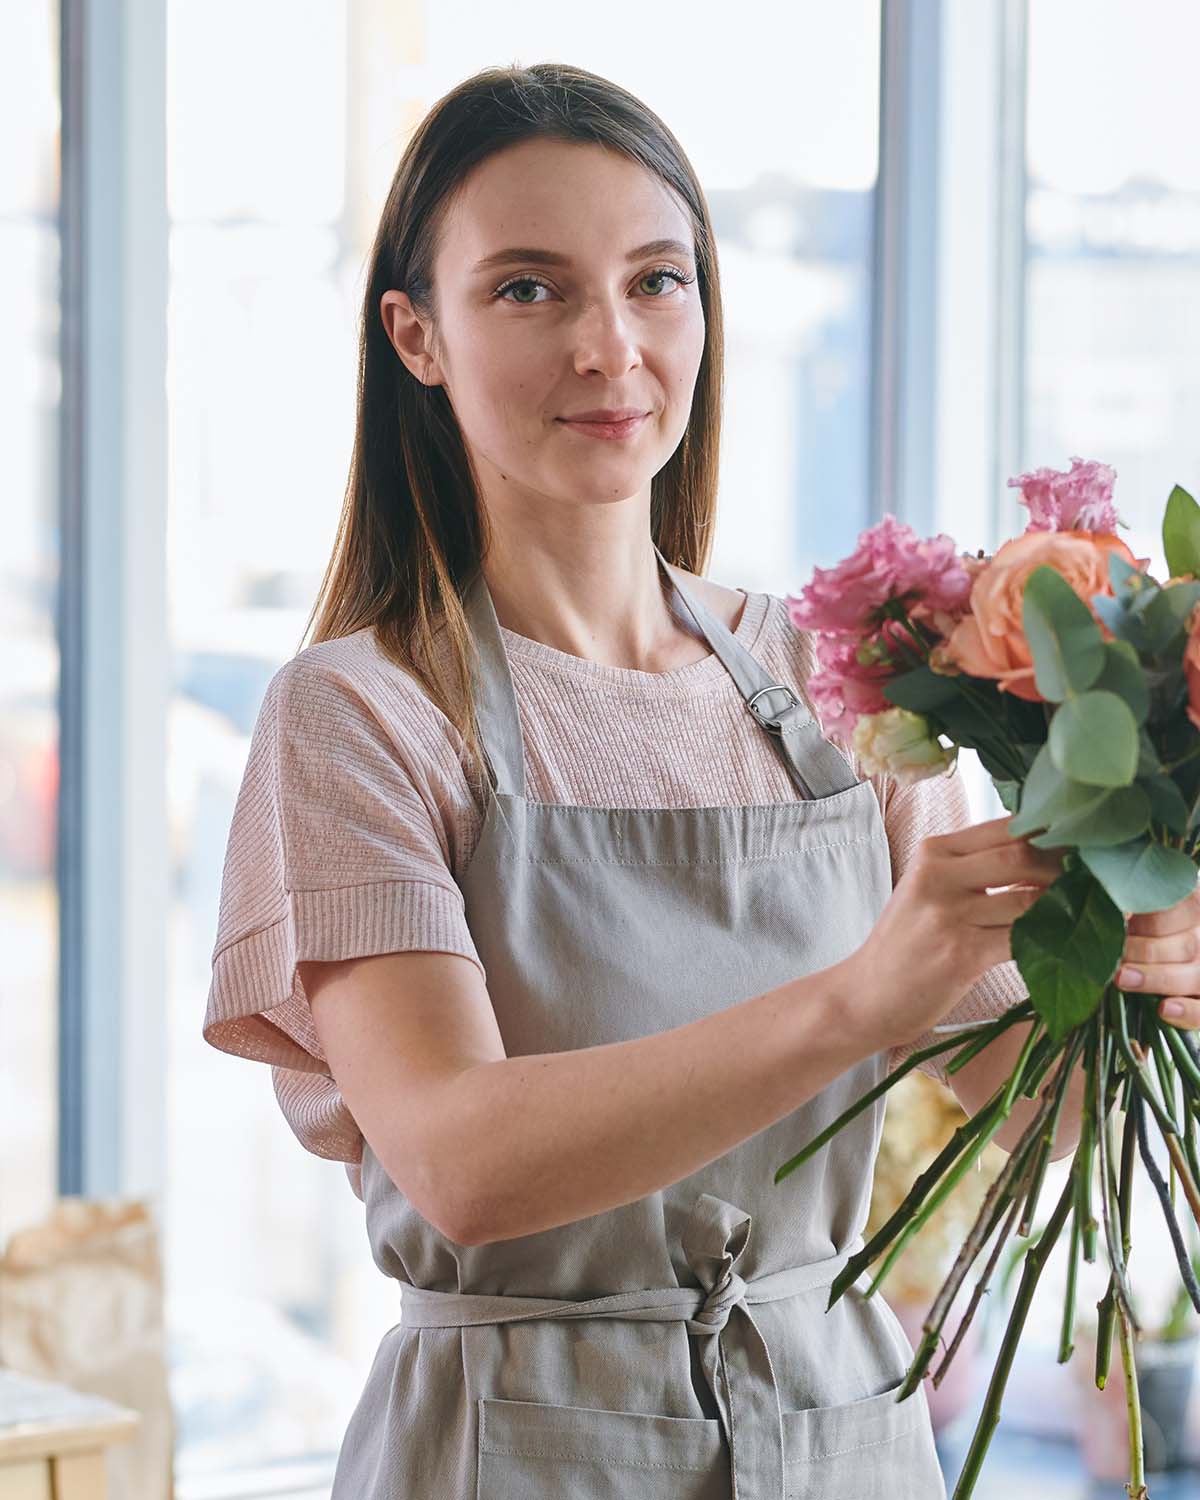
(520, 282)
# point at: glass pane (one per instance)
(1112, 322)
(1113, 228)
(30, 380)
(274, 1303)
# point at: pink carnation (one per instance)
(1076, 500)
(842, 688)
(890, 562)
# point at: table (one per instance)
(53, 1439)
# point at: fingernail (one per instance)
(1128, 978)
(1172, 1008)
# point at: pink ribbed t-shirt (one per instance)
(358, 805)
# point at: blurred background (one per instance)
(958, 240)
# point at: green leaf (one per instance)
(1094, 738)
(1067, 947)
(1072, 812)
(1148, 761)
(1167, 803)
(1068, 649)
(1093, 815)
(1142, 875)
(1124, 675)
(1009, 793)
(1181, 533)
(1166, 616)
(1121, 575)
(1123, 623)
(921, 689)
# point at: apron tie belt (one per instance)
(738, 1371)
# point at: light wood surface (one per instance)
(53, 1439)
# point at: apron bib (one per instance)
(678, 1347)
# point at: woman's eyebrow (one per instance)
(553, 258)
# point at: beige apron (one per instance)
(676, 1348)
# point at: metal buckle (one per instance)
(768, 721)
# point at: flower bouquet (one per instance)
(1075, 677)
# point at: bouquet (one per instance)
(1075, 677)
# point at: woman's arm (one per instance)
(490, 1147)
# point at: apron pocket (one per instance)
(874, 1449)
(531, 1451)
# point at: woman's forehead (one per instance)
(568, 199)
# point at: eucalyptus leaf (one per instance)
(1094, 738)
(1121, 574)
(1072, 812)
(1067, 947)
(1142, 875)
(1068, 649)
(1166, 616)
(1091, 815)
(1167, 803)
(1149, 763)
(1181, 533)
(1124, 675)
(1123, 623)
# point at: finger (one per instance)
(1189, 1018)
(1160, 979)
(1185, 913)
(985, 835)
(1009, 864)
(1175, 948)
(1000, 908)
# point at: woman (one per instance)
(545, 897)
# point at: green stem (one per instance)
(955, 1175)
(1133, 1406)
(976, 1039)
(1035, 1260)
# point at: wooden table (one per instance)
(53, 1439)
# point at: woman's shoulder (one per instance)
(352, 682)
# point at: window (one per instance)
(29, 569)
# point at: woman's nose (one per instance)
(603, 341)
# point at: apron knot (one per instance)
(718, 1304)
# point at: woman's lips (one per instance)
(607, 429)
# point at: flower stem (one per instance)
(976, 1039)
(1035, 1260)
(955, 1175)
(1160, 1187)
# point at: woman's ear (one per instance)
(408, 337)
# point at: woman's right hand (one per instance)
(941, 927)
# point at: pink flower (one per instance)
(890, 562)
(1076, 500)
(844, 686)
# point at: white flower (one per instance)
(899, 743)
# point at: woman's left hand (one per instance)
(1162, 957)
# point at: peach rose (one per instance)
(1191, 666)
(990, 641)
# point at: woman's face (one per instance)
(575, 322)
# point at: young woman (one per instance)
(545, 897)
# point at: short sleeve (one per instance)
(936, 805)
(340, 846)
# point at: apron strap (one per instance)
(816, 765)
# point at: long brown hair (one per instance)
(412, 532)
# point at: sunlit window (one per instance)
(1113, 243)
(29, 564)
